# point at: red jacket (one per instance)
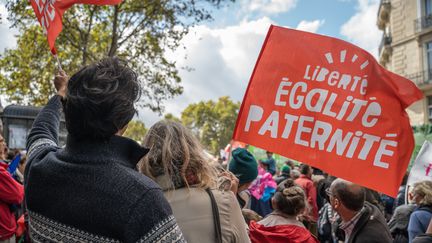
(311, 194)
(280, 234)
(11, 192)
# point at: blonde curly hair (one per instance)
(175, 152)
(424, 189)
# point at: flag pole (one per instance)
(58, 62)
(229, 154)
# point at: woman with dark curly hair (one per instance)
(282, 225)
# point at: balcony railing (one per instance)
(385, 42)
(421, 78)
(423, 23)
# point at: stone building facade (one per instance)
(406, 48)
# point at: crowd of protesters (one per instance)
(103, 187)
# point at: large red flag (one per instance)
(328, 103)
(50, 13)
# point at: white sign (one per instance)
(422, 168)
(17, 136)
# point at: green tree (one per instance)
(136, 130)
(213, 122)
(171, 117)
(140, 31)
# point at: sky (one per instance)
(222, 53)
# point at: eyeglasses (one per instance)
(328, 192)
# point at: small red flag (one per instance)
(328, 103)
(50, 13)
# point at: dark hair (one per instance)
(405, 179)
(290, 199)
(304, 169)
(290, 163)
(100, 99)
(352, 196)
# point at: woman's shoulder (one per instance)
(276, 220)
(196, 193)
(293, 233)
(224, 197)
(422, 210)
(420, 214)
(228, 205)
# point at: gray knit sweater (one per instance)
(90, 191)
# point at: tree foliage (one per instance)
(171, 117)
(213, 122)
(136, 130)
(140, 31)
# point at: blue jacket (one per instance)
(419, 221)
(271, 165)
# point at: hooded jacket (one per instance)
(280, 234)
(11, 192)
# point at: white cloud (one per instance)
(311, 26)
(8, 39)
(361, 28)
(222, 59)
(269, 6)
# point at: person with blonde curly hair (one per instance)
(419, 219)
(178, 163)
(282, 225)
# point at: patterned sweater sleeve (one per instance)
(152, 220)
(45, 127)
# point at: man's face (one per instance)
(269, 154)
(333, 200)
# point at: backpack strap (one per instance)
(216, 219)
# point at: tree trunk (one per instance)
(114, 39)
(86, 37)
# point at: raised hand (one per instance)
(61, 82)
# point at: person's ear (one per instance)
(273, 203)
(336, 203)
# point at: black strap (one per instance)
(216, 219)
(425, 208)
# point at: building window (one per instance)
(428, 72)
(428, 7)
(429, 107)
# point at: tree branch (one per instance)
(86, 36)
(139, 26)
(114, 39)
